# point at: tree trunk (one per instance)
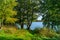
(48, 25)
(0, 25)
(28, 26)
(52, 26)
(22, 25)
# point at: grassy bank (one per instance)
(21, 34)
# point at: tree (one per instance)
(6, 11)
(26, 10)
(51, 14)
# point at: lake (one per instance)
(33, 25)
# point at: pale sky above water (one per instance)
(39, 18)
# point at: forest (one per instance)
(14, 14)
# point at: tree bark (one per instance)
(28, 26)
(52, 26)
(48, 25)
(22, 25)
(0, 25)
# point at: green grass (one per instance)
(12, 34)
(18, 35)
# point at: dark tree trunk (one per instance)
(22, 25)
(52, 26)
(48, 25)
(0, 26)
(28, 26)
(29, 18)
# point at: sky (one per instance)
(39, 18)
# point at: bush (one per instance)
(45, 32)
(18, 35)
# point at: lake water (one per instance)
(33, 25)
(36, 25)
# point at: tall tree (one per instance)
(51, 13)
(26, 11)
(6, 11)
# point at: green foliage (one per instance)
(45, 32)
(51, 15)
(6, 11)
(26, 11)
(26, 35)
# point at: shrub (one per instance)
(45, 32)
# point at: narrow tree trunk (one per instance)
(52, 26)
(30, 21)
(22, 25)
(48, 25)
(28, 26)
(0, 25)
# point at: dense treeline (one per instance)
(25, 12)
(22, 12)
(51, 17)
